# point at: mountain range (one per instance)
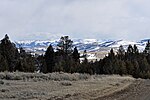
(91, 45)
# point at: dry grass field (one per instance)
(59, 86)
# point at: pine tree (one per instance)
(50, 58)
(121, 51)
(130, 49)
(9, 52)
(42, 64)
(130, 67)
(64, 54)
(85, 54)
(111, 54)
(147, 48)
(3, 64)
(136, 69)
(115, 65)
(76, 55)
(129, 54)
(148, 58)
(26, 62)
(122, 68)
(135, 50)
(108, 67)
(29, 63)
(65, 45)
(144, 66)
(85, 67)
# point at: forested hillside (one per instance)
(67, 59)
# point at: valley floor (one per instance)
(96, 87)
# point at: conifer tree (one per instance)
(50, 58)
(122, 68)
(76, 55)
(129, 53)
(135, 50)
(3, 64)
(147, 48)
(111, 54)
(64, 54)
(130, 67)
(108, 66)
(65, 45)
(121, 51)
(26, 62)
(144, 66)
(148, 58)
(136, 68)
(130, 49)
(29, 62)
(42, 64)
(9, 52)
(85, 54)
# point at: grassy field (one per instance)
(59, 86)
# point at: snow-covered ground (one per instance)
(82, 44)
(90, 45)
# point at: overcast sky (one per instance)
(100, 19)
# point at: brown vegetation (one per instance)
(62, 86)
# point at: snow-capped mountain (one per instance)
(81, 44)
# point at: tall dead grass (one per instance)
(56, 76)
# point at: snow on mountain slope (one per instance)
(81, 44)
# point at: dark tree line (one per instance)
(64, 59)
(130, 62)
(67, 59)
(12, 59)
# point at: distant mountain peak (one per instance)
(81, 44)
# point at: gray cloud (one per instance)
(102, 19)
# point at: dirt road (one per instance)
(139, 90)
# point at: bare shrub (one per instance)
(4, 90)
(67, 76)
(66, 83)
(9, 76)
(17, 77)
(84, 76)
(56, 76)
(67, 95)
(1, 82)
(2, 75)
(12, 76)
(61, 76)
